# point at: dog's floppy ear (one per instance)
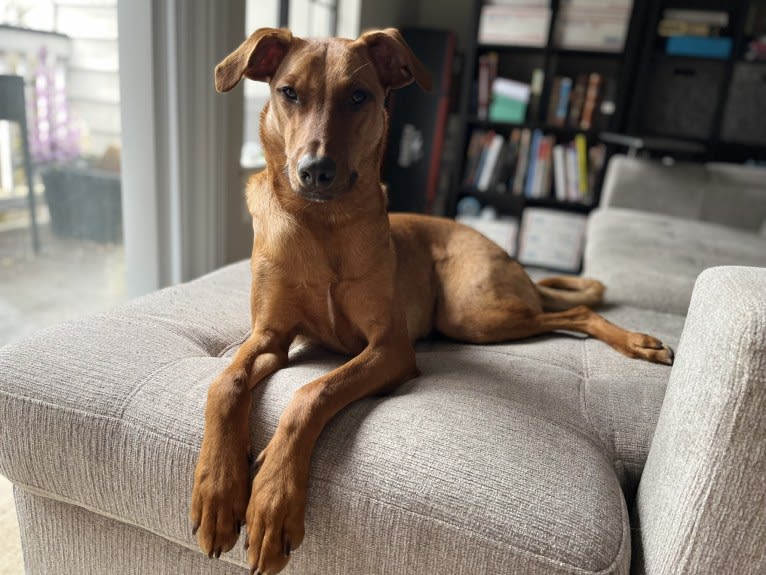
(257, 58)
(396, 64)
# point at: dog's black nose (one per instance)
(316, 172)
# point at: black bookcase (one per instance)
(718, 102)
(518, 63)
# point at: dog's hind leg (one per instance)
(497, 321)
(584, 320)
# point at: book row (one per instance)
(585, 102)
(532, 164)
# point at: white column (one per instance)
(181, 141)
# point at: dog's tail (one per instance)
(561, 292)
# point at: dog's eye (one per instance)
(289, 93)
(359, 97)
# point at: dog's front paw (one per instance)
(219, 497)
(275, 513)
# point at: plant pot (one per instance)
(84, 203)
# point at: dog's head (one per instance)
(326, 120)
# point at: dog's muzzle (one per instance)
(316, 175)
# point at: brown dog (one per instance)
(330, 265)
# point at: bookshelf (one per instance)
(703, 75)
(568, 57)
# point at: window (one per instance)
(64, 257)
(308, 18)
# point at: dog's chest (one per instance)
(326, 318)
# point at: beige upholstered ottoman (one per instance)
(515, 458)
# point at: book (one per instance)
(536, 93)
(485, 144)
(756, 51)
(581, 147)
(571, 173)
(712, 17)
(560, 116)
(507, 110)
(667, 28)
(591, 100)
(596, 160)
(507, 166)
(522, 164)
(577, 100)
(509, 100)
(514, 25)
(510, 89)
(472, 157)
(559, 172)
(553, 100)
(534, 151)
(541, 183)
(490, 162)
(486, 76)
(755, 24)
(698, 46)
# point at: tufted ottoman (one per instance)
(514, 458)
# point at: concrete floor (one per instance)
(67, 279)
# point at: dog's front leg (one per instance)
(222, 477)
(277, 503)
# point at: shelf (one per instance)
(660, 55)
(539, 51)
(511, 203)
(508, 48)
(558, 130)
(585, 53)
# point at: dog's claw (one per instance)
(210, 555)
(194, 528)
(287, 549)
(218, 554)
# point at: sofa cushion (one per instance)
(651, 260)
(722, 193)
(498, 459)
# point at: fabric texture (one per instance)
(508, 458)
(701, 503)
(62, 538)
(721, 193)
(651, 260)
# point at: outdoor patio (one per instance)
(67, 279)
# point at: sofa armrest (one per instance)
(728, 194)
(701, 504)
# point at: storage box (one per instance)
(679, 100)
(745, 116)
(84, 203)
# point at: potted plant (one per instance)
(83, 197)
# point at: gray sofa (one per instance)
(554, 455)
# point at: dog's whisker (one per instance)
(360, 68)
